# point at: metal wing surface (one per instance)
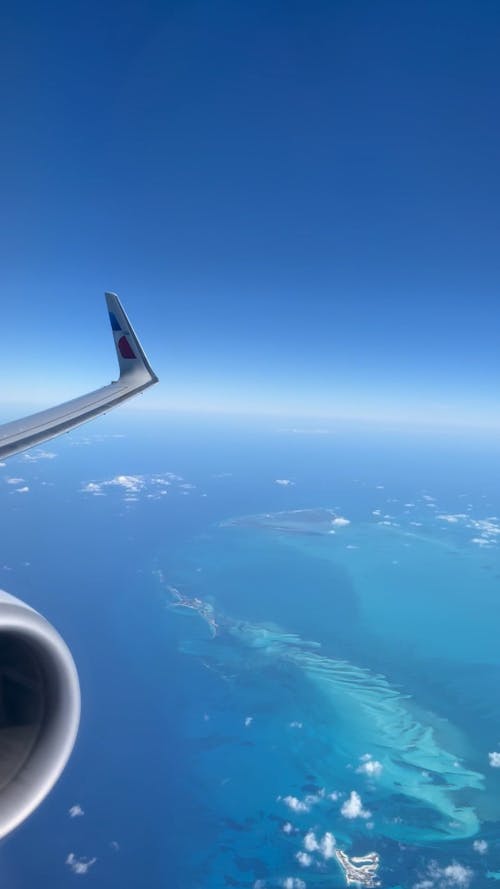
(136, 374)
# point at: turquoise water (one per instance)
(350, 673)
(352, 691)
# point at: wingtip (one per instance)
(111, 298)
(131, 355)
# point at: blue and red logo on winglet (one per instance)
(114, 323)
(125, 348)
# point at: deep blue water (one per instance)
(189, 744)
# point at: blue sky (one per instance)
(297, 202)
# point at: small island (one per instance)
(294, 521)
(202, 608)
(359, 871)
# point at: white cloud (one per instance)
(340, 522)
(75, 811)
(310, 841)
(287, 827)
(79, 865)
(489, 528)
(129, 482)
(132, 486)
(327, 845)
(23, 490)
(353, 807)
(284, 482)
(248, 721)
(457, 874)
(369, 766)
(494, 759)
(452, 875)
(167, 478)
(295, 724)
(452, 519)
(14, 481)
(93, 488)
(293, 883)
(297, 805)
(35, 456)
(480, 846)
(304, 859)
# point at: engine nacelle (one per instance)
(39, 709)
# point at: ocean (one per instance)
(287, 642)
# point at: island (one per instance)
(202, 608)
(294, 521)
(360, 870)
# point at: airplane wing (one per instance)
(136, 374)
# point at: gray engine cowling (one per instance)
(39, 709)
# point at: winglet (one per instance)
(131, 356)
(136, 375)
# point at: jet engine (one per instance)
(39, 709)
